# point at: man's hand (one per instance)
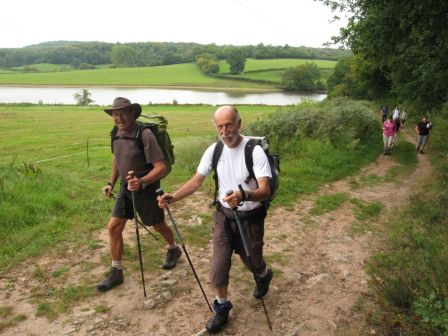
(234, 199)
(164, 200)
(107, 190)
(134, 183)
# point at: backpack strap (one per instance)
(248, 157)
(215, 158)
(113, 137)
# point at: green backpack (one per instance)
(158, 126)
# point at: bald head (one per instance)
(228, 124)
(227, 112)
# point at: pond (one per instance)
(105, 96)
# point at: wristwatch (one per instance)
(142, 184)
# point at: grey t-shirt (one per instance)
(129, 157)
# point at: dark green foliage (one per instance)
(406, 41)
(124, 56)
(236, 58)
(302, 77)
(208, 64)
(357, 78)
(149, 53)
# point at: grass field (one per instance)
(177, 75)
(181, 75)
(271, 70)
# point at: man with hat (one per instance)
(149, 167)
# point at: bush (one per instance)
(319, 143)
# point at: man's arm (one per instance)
(187, 189)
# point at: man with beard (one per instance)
(232, 171)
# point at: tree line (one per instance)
(399, 52)
(83, 54)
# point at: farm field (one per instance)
(177, 75)
(271, 70)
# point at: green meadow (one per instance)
(271, 69)
(176, 75)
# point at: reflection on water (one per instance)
(105, 96)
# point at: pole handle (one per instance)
(131, 174)
(159, 192)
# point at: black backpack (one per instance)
(158, 128)
(274, 164)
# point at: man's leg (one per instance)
(115, 276)
(219, 273)
(174, 252)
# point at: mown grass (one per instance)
(271, 70)
(183, 75)
(279, 63)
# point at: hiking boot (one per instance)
(219, 320)
(114, 278)
(421, 151)
(262, 284)
(171, 257)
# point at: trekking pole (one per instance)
(139, 222)
(160, 193)
(246, 249)
(131, 174)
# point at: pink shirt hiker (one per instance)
(389, 128)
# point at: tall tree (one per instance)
(407, 40)
(302, 77)
(237, 60)
(124, 56)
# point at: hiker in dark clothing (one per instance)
(232, 171)
(384, 113)
(149, 167)
(423, 130)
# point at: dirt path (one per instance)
(318, 266)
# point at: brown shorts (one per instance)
(145, 204)
(226, 239)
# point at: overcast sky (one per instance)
(237, 22)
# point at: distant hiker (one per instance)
(403, 117)
(388, 134)
(149, 167)
(423, 130)
(384, 114)
(396, 113)
(232, 171)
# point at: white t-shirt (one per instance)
(232, 170)
(396, 115)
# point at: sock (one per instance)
(264, 273)
(117, 264)
(172, 247)
(221, 301)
